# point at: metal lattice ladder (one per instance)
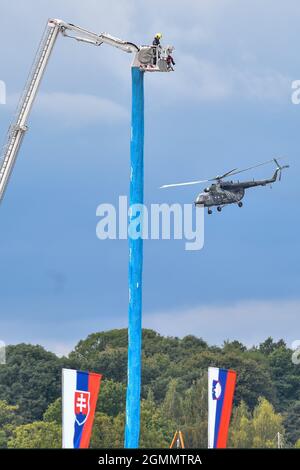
(18, 128)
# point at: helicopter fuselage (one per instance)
(229, 192)
(223, 192)
(217, 195)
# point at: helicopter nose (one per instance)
(200, 199)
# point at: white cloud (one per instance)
(60, 334)
(267, 85)
(75, 109)
(80, 109)
(249, 321)
(199, 80)
(60, 348)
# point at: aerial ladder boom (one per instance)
(19, 127)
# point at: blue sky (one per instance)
(227, 105)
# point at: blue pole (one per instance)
(132, 427)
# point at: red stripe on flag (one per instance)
(94, 387)
(226, 411)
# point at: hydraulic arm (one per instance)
(145, 58)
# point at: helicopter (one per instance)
(222, 193)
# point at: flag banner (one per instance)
(221, 385)
(80, 392)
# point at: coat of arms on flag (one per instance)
(216, 390)
(81, 406)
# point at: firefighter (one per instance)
(156, 40)
(156, 43)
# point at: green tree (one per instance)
(107, 431)
(30, 379)
(171, 406)
(156, 371)
(8, 421)
(53, 413)
(253, 380)
(191, 343)
(233, 346)
(156, 429)
(36, 435)
(104, 352)
(193, 422)
(292, 422)
(112, 398)
(241, 428)
(285, 376)
(297, 444)
(269, 346)
(111, 363)
(266, 424)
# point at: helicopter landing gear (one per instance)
(209, 211)
(240, 204)
(219, 208)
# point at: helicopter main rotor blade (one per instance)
(249, 168)
(235, 171)
(223, 176)
(188, 183)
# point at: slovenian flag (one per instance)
(221, 385)
(80, 392)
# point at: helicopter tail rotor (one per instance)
(279, 168)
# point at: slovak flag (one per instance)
(221, 385)
(80, 392)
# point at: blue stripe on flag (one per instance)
(222, 380)
(82, 383)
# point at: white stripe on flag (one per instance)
(213, 374)
(69, 383)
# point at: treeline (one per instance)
(174, 391)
